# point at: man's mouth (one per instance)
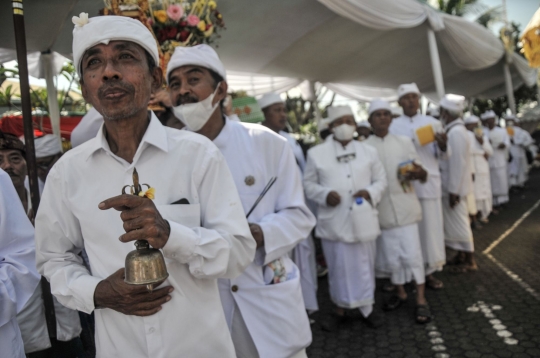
(114, 94)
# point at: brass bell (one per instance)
(145, 266)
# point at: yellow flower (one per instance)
(212, 4)
(201, 25)
(209, 32)
(150, 193)
(160, 15)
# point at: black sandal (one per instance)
(423, 314)
(394, 303)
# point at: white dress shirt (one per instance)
(397, 208)
(87, 128)
(429, 154)
(456, 172)
(209, 238)
(274, 313)
(496, 136)
(18, 275)
(359, 169)
(297, 150)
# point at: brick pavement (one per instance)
(484, 314)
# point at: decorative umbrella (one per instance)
(531, 41)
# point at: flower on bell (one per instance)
(201, 25)
(161, 16)
(212, 4)
(175, 12)
(149, 193)
(80, 20)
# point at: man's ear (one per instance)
(157, 79)
(222, 90)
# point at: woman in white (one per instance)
(339, 174)
(399, 254)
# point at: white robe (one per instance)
(350, 263)
(399, 254)
(498, 163)
(429, 193)
(18, 275)
(482, 181)
(518, 167)
(274, 314)
(303, 254)
(457, 179)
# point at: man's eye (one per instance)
(126, 56)
(92, 62)
(193, 80)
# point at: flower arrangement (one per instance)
(173, 22)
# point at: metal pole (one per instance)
(435, 63)
(509, 88)
(20, 42)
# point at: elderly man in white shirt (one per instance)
(518, 168)
(342, 173)
(457, 183)
(275, 118)
(18, 275)
(498, 162)
(429, 193)
(399, 254)
(481, 151)
(263, 306)
(195, 218)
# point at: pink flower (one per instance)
(175, 12)
(193, 20)
(150, 22)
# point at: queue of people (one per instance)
(242, 276)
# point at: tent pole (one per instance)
(435, 63)
(20, 42)
(509, 88)
(52, 95)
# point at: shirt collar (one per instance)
(155, 135)
(223, 137)
(453, 124)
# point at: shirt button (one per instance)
(152, 330)
(348, 176)
(234, 288)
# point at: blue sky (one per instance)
(520, 11)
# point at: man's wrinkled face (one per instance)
(116, 79)
(13, 163)
(192, 84)
(348, 119)
(380, 120)
(410, 103)
(275, 116)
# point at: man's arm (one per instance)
(378, 179)
(314, 190)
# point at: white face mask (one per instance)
(195, 115)
(344, 132)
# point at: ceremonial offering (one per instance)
(174, 23)
(247, 109)
(426, 134)
(145, 265)
(478, 131)
(510, 131)
(403, 169)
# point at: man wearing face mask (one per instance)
(263, 306)
(429, 193)
(338, 172)
(456, 178)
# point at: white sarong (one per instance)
(351, 272)
(499, 185)
(304, 258)
(457, 227)
(399, 255)
(431, 231)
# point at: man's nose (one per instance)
(111, 72)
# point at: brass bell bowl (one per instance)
(145, 266)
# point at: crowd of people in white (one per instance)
(388, 198)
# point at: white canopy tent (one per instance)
(358, 47)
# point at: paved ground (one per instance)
(494, 312)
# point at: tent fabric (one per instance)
(256, 85)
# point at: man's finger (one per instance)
(156, 294)
(121, 202)
(135, 224)
(134, 235)
(143, 313)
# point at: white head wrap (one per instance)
(453, 102)
(472, 120)
(338, 112)
(434, 112)
(269, 99)
(47, 145)
(378, 104)
(103, 29)
(488, 114)
(511, 117)
(363, 124)
(407, 88)
(200, 55)
(397, 111)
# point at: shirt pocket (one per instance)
(188, 215)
